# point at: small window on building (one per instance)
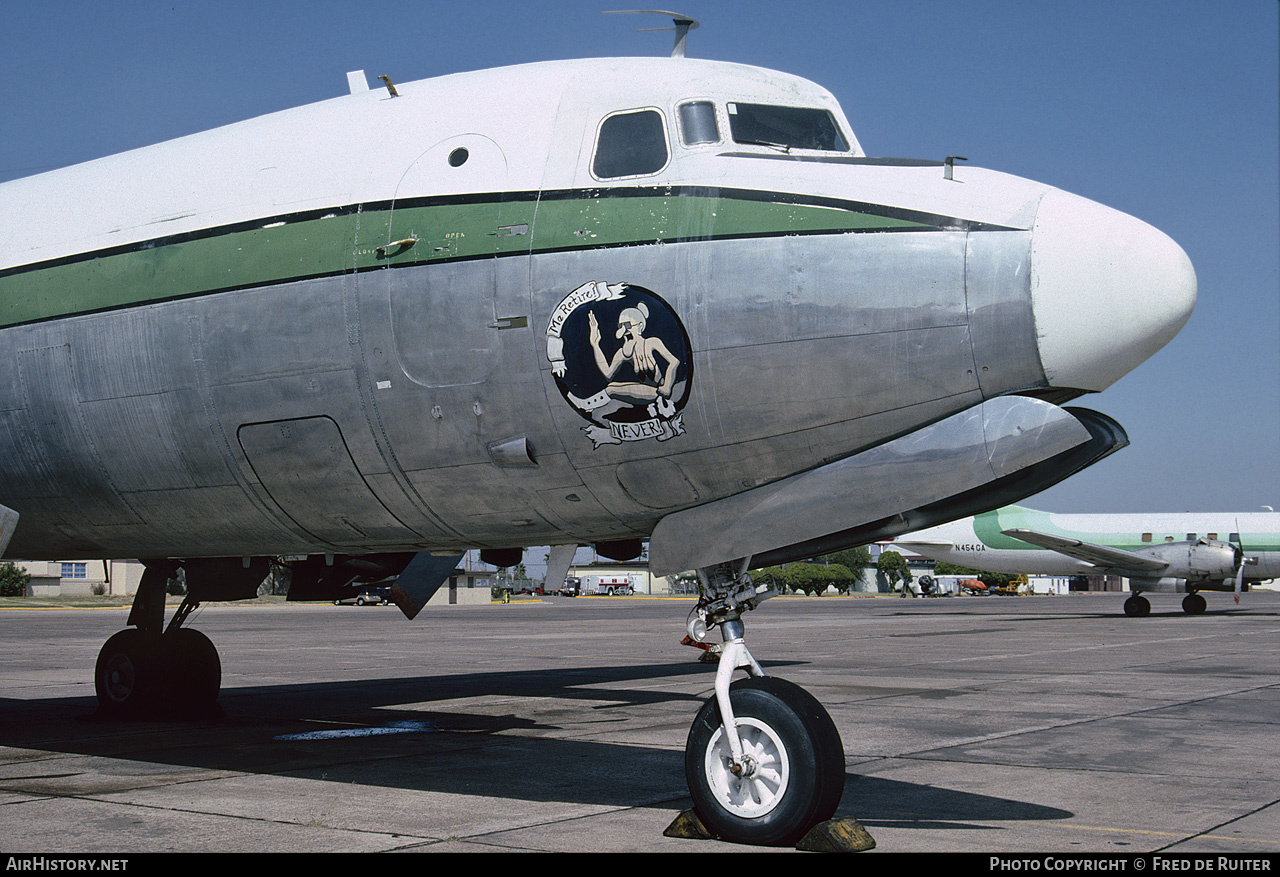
(74, 570)
(631, 145)
(1146, 537)
(698, 123)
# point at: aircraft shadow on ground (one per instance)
(879, 802)
(385, 733)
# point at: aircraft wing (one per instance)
(1099, 555)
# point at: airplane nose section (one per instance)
(1107, 291)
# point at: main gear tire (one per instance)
(794, 773)
(129, 676)
(1137, 607)
(194, 671)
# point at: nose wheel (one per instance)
(789, 777)
(763, 760)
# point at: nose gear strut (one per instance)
(727, 591)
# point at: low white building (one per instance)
(77, 578)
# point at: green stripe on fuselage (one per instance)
(345, 240)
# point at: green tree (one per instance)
(855, 559)
(893, 566)
(809, 578)
(806, 578)
(13, 580)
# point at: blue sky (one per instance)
(1165, 109)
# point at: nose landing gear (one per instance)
(764, 760)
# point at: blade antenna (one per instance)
(683, 24)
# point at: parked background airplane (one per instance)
(1187, 552)
(386, 327)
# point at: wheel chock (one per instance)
(832, 836)
(688, 826)
(837, 836)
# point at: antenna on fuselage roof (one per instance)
(683, 24)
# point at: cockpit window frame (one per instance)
(666, 143)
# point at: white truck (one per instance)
(608, 584)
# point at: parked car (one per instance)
(370, 595)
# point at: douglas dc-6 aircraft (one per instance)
(1156, 552)
(579, 302)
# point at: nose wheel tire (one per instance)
(791, 775)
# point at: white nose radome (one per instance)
(1107, 290)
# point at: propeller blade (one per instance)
(1239, 564)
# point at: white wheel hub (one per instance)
(764, 773)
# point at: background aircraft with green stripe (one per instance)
(1172, 552)
(590, 302)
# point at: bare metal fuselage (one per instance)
(356, 412)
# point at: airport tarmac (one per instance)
(1031, 724)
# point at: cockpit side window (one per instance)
(631, 144)
(698, 123)
(785, 127)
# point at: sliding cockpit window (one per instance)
(698, 123)
(630, 144)
(785, 128)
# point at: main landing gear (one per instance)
(1139, 606)
(764, 761)
(148, 669)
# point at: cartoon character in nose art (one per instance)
(651, 385)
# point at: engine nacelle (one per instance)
(1199, 560)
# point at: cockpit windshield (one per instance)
(785, 128)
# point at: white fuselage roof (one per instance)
(356, 148)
